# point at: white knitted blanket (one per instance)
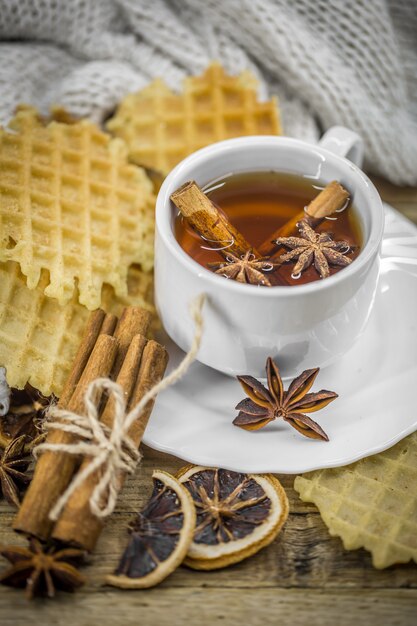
(349, 62)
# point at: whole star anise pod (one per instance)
(247, 269)
(265, 405)
(42, 569)
(24, 416)
(14, 463)
(313, 247)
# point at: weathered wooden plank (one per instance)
(402, 198)
(229, 607)
(304, 554)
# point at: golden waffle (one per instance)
(370, 504)
(161, 128)
(39, 337)
(72, 205)
(140, 289)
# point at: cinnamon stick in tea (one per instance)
(332, 198)
(77, 525)
(210, 223)
(53, 470)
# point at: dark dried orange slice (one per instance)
(159, 536)
(237, 514)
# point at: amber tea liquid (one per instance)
(258, 203)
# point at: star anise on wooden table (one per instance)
(247, 269)
(265, 405)
(14, 463)
(25, 416)
(313, 247)
(42, 569)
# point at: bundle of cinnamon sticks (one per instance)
(110, 347)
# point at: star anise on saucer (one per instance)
(267, 404)
(14, 463)
(313, 247)
(246, 269)
(42, 569)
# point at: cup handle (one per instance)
(344, 143)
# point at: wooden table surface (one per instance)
(304, 578)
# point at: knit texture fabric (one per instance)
(349, 62)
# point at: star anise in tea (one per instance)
(42, 570)
(314, 248)
(14, 463)
(247, 269)
(267, 404)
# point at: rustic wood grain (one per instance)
(234, 607)
(402, 198)
(304, 578)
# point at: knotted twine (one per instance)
(111, 450)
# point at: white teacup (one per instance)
(300, 327)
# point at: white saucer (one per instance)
(376, 382)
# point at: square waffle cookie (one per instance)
(39, 337)
(371, 503)
(71, 204)
(160, 127)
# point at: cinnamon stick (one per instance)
(109, 324)
(152, 370)
(91, 332)
(77, 525)
(54, 471)
(210, 223)
(133, 321)
(332, 198)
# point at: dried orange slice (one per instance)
(237, 514)
(160, 536)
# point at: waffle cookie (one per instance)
(370, 504)
(140, 287)
(160, 127)
(70, 204)
(39, 337)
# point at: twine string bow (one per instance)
(111, 450)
